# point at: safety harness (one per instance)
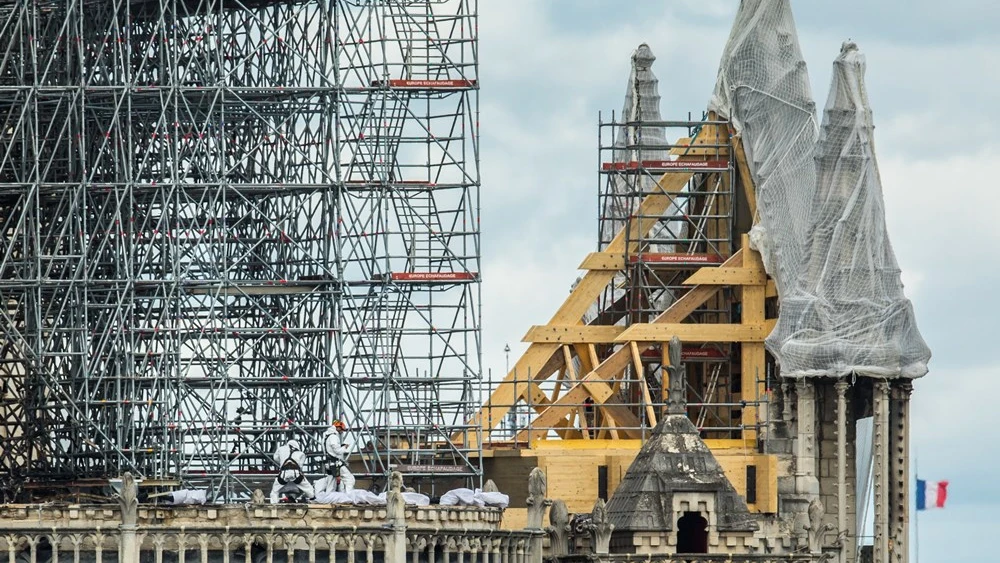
(290, 465)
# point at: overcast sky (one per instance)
(549, 66)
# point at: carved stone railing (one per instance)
(278, 544)
(128, 532)
(626, 558)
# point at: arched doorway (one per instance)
(692, 533)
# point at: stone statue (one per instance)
(676, 400)
(600, 529)
(257, 497)
(537, 503)
(395, 506)
(559, 529)
(490, 487)
(396, 481)
(128, 499)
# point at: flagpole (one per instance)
(916, 513)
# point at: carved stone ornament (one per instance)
(816, 527)
(537, 503)
(600, 529)
(490, 487)
(395, 506)
(396, 481)
(559, 529)
(676, 401)
(257, 497)
(129, 500)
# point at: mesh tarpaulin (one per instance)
(821, 221)
(763, 89)
(847, 312)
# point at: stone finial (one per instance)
(537, 503)
(676, 401)
(490, 487)
(816, 528)
(396, 481)
(257, 497)
(600, 529)
(559, 529)
(395, 506)
(128, 500)
(642, 58)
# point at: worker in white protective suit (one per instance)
(291, 461)
(340, 479)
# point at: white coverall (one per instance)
(338, 452)
(291, 462)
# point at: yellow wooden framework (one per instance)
(554, 346)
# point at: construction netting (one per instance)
(763, 89)
(820, 217)
(847, 312)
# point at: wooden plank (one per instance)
(752, 356)
(770, 290)
(514, 385)
(652, 206)
(573, 334)
(641, 376)
(685, 144)
(603, 261)
(709, 135)
(560, 379)
(582, 297)
(695, 150)
(695, 332)
(746, 178)
(572, 399)
(611, 426)
(752, 259)
(678, 311)
(540, 354)
(727, 276)
(592, 354)
(627, 423)
(648, 213)
(580, 412)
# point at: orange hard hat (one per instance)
(339, 425)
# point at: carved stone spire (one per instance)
(676, 401)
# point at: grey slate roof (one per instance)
(674, 459)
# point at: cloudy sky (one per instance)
(549, 66)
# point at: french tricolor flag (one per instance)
(937, 493)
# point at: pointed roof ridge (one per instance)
(674, 460)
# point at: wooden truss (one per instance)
(584, 364)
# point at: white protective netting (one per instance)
(821, 220)
(847, 312)
(763, 89)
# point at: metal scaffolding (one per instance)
(223, 225)
(695, 231)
